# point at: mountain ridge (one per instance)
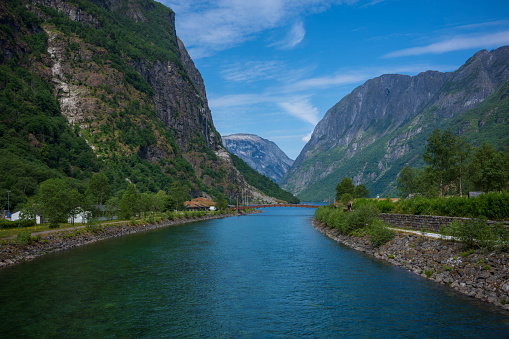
(261, 154)
(369, 137)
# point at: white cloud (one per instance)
(307, 137)
(348, 77)
(302, 109)
(455, 44)
(253, 71)
(208, 26)
(238, 100)
(293, 38)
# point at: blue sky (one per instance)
(274, 67)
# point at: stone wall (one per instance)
(484, 276)
(419, 222)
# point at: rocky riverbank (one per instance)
(12, 252)
(484, 276)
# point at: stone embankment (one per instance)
(12, 253)
(484, 276)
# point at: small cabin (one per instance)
(200, 204)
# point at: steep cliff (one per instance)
(262, 155)
(127, 87)
(374, 131)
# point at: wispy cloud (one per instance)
(209, 26)
(307, 137)
(293, 38)
(373, 2)
(253, 71)
(302, 109)
(484, 24)
(348, 77)
(455, 44)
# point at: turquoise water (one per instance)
(269, 275)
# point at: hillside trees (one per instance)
(99, 188)
(346, 186)
(58, 200)
(453, 165)
(441, 157)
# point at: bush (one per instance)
(494, 206)
(361, 217)
(16, 224)
(25, 238)
(379, 233)
(54, 225)
(385, 205)
(478, 233)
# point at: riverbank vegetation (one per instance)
(479, 234)
(362, 221)
(493, 206)
(20, 230)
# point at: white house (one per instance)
(79, 216)
(17, 216)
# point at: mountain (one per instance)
(382, 125)
(105, 86)
(262, 155)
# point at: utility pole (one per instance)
(8, 205)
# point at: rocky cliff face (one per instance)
(126, 84)
(262, 155)
(371, 133)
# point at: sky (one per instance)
(274, 67)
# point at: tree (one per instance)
(75, 204)
(346, 198)
(55, 199)
(180, 194)
(129, 204)
(28, 212)
(360, 191)
(221, 203)
(344, 186)
(441, 156)
(159, 201)
(99, 188)
(488, 169)
(463, 150)
(407, 182)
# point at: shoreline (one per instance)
(484, 276)
(61, 240)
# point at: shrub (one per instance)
(478, 233)
(93, 225)
(23, 238)
(362, 217)
(54, 225)
(16, 224)
(379, 233)
(494, 206)
(385, 205)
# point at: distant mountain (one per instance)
(262, 155)
(383, 124)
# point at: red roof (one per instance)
(199, 202)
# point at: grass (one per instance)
(9, 232)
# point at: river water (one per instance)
(269, 275)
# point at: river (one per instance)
(268, 275)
